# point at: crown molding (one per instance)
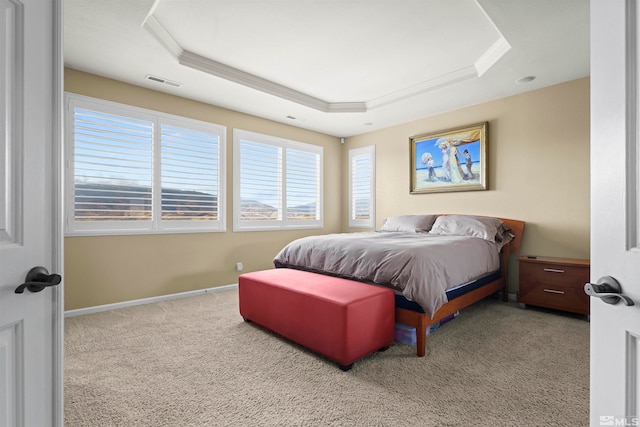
(223, 71)
(235, 75)
(426, 86)
(492, 55)
(155, 28)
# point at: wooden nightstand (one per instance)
(556, 283)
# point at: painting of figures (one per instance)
(451, 160)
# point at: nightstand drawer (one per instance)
(561, 275)
(568, 298)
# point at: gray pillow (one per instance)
(409, 223)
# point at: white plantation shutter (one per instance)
(303, 185)
(132, 170)
(190, 174)
(362, 187)
(277, 183)
(111, 153)
(260, 182)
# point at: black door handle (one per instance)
(37, 279)
(608, 290)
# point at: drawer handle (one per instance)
(553, 291)
(553, 270)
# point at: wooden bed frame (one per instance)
(421, 320)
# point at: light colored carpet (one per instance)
(194, 362)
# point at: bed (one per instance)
(436, 264)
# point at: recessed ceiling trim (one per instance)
(492, 55)
(218, 69)
(155, 28)
(426, 86)
(226, 72)
(347, 107)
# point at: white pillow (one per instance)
(409, 223)
(487, 228)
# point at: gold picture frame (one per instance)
(450, 160)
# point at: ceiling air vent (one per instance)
(299, 119)
(163, 81)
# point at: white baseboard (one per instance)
(99, 308)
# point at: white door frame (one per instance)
(57, 209)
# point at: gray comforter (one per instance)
(421, 266)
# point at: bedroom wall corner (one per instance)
(539, 162)
(103, 270)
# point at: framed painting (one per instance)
(451, 160)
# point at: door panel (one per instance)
(633, 366)
(30, 323)
(10, 108)
(10, 372)
(615, 210)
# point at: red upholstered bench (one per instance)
(341, 319)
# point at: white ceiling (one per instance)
(341, 67)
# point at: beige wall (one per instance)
(104, 270)
(538, 168)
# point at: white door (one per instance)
(30, 322)
(615, 210)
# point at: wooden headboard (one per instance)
(517, 229)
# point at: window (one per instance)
(132, 170)
(277, 183)
(362, 187)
